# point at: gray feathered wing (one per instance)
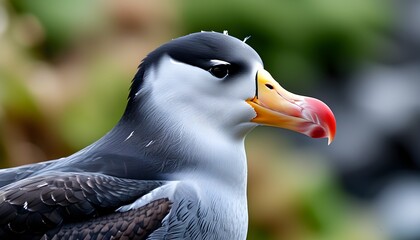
(62, 205)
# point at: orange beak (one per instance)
(277, 107)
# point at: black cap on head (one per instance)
(197, 49)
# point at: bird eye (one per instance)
(220, 71)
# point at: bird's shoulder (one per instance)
(11, 175)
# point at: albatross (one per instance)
(174, 166)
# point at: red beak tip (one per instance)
(327, 120)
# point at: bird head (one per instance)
(217, 83)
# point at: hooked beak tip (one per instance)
(279, 108)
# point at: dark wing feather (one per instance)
(40, 203)
(11, 175)
(134, 224)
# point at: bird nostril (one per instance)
(269, 86)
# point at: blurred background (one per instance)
(66, 67)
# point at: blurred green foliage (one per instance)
(65, 69)
(294, 195)
(63, 21)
